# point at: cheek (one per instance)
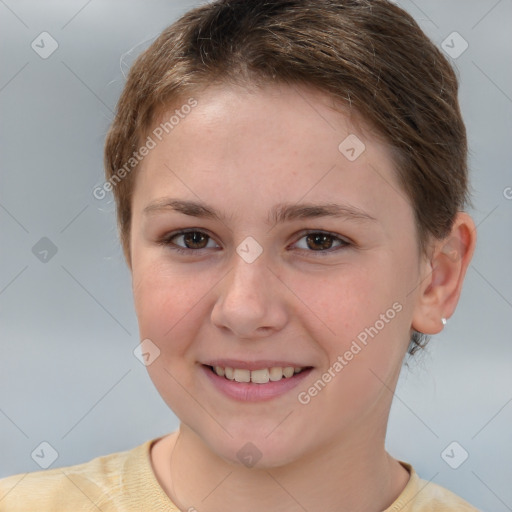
(346, 301)
(164, 303)
(166, 315)
(363, 333)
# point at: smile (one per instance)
(254, 381)
(261, 376)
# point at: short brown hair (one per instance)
(369, 55)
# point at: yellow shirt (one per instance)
(124, 481)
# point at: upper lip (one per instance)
(253, 365)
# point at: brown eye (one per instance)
(189, 241)
(195, 240)
(321, 242)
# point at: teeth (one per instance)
(242, 375)
(276, 373)
(262, 376)
(288, 371)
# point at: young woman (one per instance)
(290, 179)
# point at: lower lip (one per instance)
(253, 392)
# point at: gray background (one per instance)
(68, 327)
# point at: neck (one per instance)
(355, 476)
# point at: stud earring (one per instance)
(443, 320)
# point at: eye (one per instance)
(321, 241)
(193, 240)
(189, 240)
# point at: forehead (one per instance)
(276, 144)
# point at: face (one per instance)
(263, 238)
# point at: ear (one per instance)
(442, 276)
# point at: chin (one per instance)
(256, 449)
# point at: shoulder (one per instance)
(424, 496)
(81, 487)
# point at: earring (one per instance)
(443, 320)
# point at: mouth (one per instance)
(259, 376)
(254, 382)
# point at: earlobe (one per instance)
(442, 277)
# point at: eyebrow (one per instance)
(278, 214)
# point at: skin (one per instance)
(242, 152)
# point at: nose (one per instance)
(250, 304)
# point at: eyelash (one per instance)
(166, 241)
